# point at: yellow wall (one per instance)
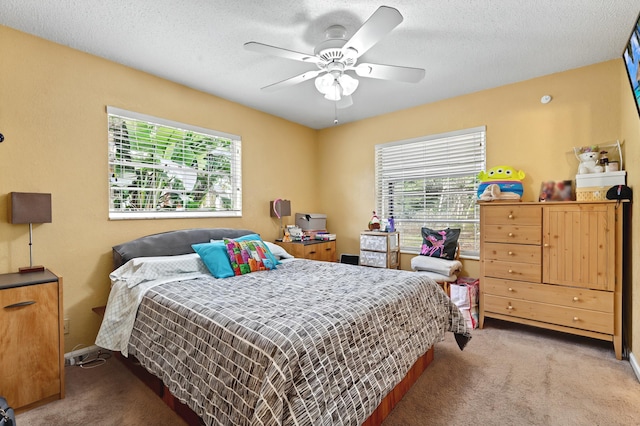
(54, 121)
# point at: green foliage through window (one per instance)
(159, 168)
(431, 182)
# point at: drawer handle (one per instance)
(510, 289)
(20, 304)
(575, 299)
(328, 248)
(312, 252)
(546, 244)
(510, 216)
(511, 234)
(510, 271)
(575, 319)
(510, 253)
(510, 308)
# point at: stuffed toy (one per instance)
(374, 223)
(500, 183)
(589, 157)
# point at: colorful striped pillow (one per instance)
(249, 256)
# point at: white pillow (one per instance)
(143, 269)
(278, 251)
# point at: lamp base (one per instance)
(25, 269)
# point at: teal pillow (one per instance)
(216, 258)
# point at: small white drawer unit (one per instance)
(380, 249)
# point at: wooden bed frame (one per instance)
(180, 243)
(386, 405)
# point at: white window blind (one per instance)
(160, 168)
(431, 182)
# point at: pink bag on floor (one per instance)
(464, 293)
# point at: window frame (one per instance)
(390, 160)
(233, 179)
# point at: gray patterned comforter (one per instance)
(311, 343)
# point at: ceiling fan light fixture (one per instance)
(324, 83)
(333, 88)
(334, 93)
(348, 84)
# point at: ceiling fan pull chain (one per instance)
(335, 112)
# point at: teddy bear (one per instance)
(589, 162)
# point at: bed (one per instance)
(307, 342)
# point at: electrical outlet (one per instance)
(66, 326)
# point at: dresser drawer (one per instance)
(513, 270)
(601, 322)
(381, 242)
(379, 259)
(323, 251)
(570, 297)
(315, 250)
(512, 252)
(512, 234)
(513, 215)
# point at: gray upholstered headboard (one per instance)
(170, 243)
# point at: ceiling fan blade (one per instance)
(254, 46)
(374, 29)
(344, 102)
(292, 81)
(390, 72)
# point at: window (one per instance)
(431, 181)
(161, 169)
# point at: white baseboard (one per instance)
(634, 364)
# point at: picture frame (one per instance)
(561, 190)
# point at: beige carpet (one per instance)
(518, 375)
(103, 396)
(507, 375)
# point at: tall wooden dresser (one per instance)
(554, 265)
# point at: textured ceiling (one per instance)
(464, 45)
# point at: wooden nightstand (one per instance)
(313, 249)
(31, 339)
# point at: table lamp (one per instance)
(280, 208)
(29, 207)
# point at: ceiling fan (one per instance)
(336, 55)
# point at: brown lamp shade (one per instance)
(283, 207)
(30, 207)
